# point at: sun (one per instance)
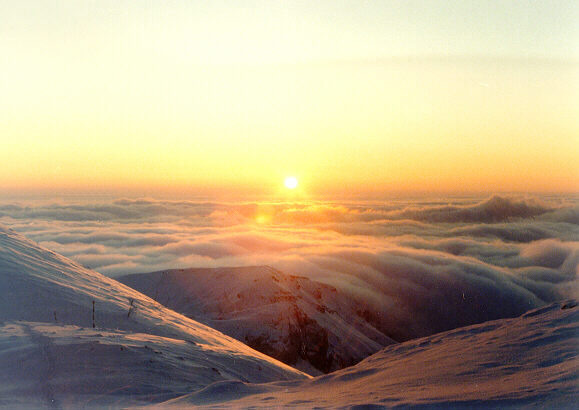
(291, 182)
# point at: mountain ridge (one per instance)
(67, 334)
(530, 361)
(297, 320)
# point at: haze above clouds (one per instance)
(350, 97)
(465, 260)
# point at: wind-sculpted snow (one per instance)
(72, 337)
(527, 362)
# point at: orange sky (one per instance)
(143, 98)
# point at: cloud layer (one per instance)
(467, 259)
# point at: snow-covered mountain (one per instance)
(530, 361)
(297, 320)
(71, 337)
(55, 353)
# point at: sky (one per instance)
(229, 98)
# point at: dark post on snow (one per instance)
(93, 325)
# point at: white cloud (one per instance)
(428, 265)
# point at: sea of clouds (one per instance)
(429, 264)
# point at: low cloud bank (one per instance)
(427, 264)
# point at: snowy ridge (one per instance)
(297, 320)
(529, 361)
(46, 314)
(140, 353)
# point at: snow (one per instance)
(138, 352)
(529, 361)
(295, 319)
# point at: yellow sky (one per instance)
(175, 97)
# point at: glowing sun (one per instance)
(291, 182)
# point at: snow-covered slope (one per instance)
(297, 320)
(72, 337)
(529, 361)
